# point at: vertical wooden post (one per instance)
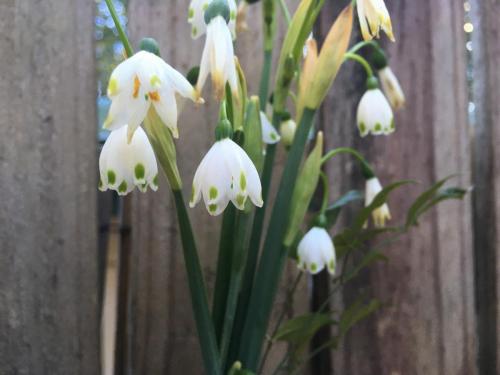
(428, 327)
(486, 165)
(49, 318)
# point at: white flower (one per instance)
(218, 58)
(269, 133)
(374, 114)
(287, 130)
(196, 17)
(380, 214)
(316, 251)
(391, 87)
(124, 165)
(373, 16)
(140, 81)
(225, 174)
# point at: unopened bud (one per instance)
(287, 130)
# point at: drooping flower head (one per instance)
(374, 16)
(218, 54)
(196, 17)
(225, 174)
(269, 133)
(374, 113)
(391, 87)
(316, 251)
(139, 82)
(124, 165)
(380, 214)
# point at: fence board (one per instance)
(428, 327)
(486, 95)
(48, 288)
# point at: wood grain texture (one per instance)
(162, 332)
(429, 325)
(486, 95)
(48, 223)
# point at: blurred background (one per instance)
(90, 282)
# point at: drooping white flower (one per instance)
(287, 130)
(269, 133)
(391, 87)
(225, 174)
(196, 17)
(374, 16)
(218, 58)
(380, 214)
(316, 251)
(124, 165)
(374, 114)
(139, 82)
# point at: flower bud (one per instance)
(217, 8)
(150, 45)
(287, 131)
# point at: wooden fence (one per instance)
(442, 283)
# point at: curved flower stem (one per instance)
(326, 193)
(121, 33)
(361, 60)
(363, 44)
(285, 11)
(365, 167)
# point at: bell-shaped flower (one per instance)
(316, 251)
(269, 133)
(124, 165)
(374, 16)
(218, 54)
(225, 174)
(391, 87)
(139, 82)
(196, 17)
(381, 213)
(374, 114)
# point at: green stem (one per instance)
(361, 60)
(223, 275)
(121, 33)
(274, 254)
(365, 167)
(285, 11)
(264, 79)
(363, 44)
(199, 300)
(237, 268)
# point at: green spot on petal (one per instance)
(192, 194)
(204, 7)
(362, 127)
(194, 31)
(212, 208)
(273, 136)
(233, 15)
(123, 187)
(140, 171)
(331, 265)
(111, 177)
(155, 180)
(212, 193)
(243, 181)
(314, 267)
(393, 126)
(240, 200)
(190, 13)
(378, 127)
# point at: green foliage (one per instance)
(301, 329)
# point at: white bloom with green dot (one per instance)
(196, 17)
(316, 251)
(380, 214)
(374, 115)
(269, 134)
(139, 82)
(225, 174)
(391, 87)
(124, 165)
(218, 54)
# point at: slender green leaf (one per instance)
(333, 211)
(302, 328)
(367, 260)
(355, 313)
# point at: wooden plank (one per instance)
(428, 327)
(486, 164)
(48, 289)
(163, 336)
